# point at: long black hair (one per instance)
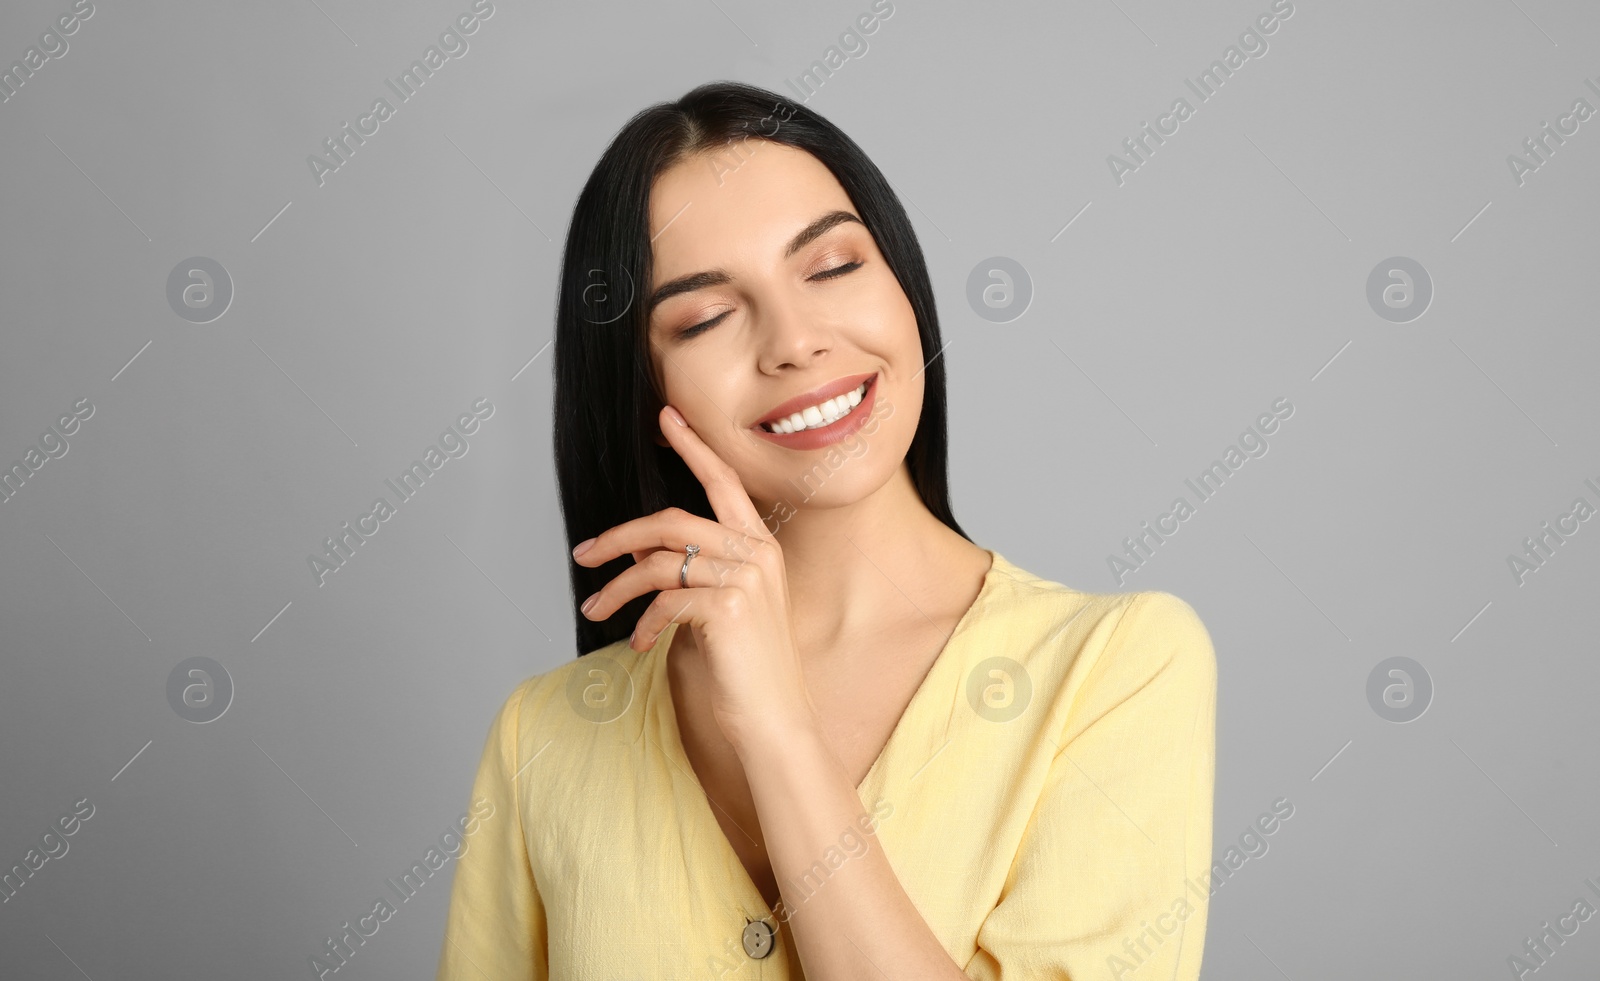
(608, 466)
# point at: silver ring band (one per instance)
(683, 573)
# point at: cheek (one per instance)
(658, 373)
(688, 381)
(894, 327)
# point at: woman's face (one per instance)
(782, 324)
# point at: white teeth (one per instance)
(821, 414)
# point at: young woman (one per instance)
(818, 732)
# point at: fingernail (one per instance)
(589, 603)
(582, 547)
(675, 416)
(633, 637)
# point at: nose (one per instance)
(789, 335)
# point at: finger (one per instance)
(672, 530)
(639, 556)
(659, 571)
(681, 606)
(729, 500)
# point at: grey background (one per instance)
(1229, 271)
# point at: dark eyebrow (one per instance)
(716, 277)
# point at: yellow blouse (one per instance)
(1045, 801)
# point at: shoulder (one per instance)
(1020, 594)
(1155, 668)
(593, 687)
(1089, 634)
(1157, 617)
(1161, 636)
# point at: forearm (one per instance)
(850, 922)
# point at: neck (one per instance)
(853, 570)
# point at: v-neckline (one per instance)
(661, 716)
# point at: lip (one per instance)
(833, 389)
(813, 439)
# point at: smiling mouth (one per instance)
(821, 415)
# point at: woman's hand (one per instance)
(737, 600)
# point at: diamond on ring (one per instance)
(683, 573)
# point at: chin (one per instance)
(834, 480)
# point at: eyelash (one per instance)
(704, 326)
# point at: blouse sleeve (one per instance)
(1111, 874)
(495, 927)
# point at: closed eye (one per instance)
(704, 326)
(848, 267)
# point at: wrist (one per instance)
(776, 732)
